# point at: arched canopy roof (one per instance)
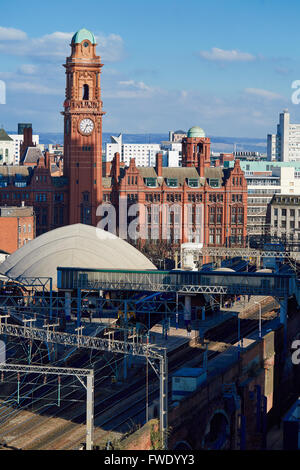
(81, 246)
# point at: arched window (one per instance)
(85, 92)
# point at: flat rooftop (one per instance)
(14, 211)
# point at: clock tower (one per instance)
(83, 129)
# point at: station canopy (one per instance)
(74, 246)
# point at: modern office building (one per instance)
(7, 148)
(177, 136)
(284, 146)
(144, 154)
(264, 179)
(284, 217)
(18, 139)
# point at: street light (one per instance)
(259, 327)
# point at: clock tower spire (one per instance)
(83, 129)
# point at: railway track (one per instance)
(108, 413)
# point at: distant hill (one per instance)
(219, 144)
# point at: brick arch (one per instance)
(218, 426)
(182, 445)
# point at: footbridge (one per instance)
(279, 285)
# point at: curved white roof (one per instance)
(225, 270)
(80, 246)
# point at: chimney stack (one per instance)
(117, 167)
(158, 166)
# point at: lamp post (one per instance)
(259, 323)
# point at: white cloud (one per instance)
(111, 47)
(55, 46)
(221, 55)
(135, 85)
(35, 88)
(183, 94)
(130, 89)
(12, 34)
(28, 69)
(269, 95)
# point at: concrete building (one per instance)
(261, 189)
(250, 156)
(177, 136)
(7, 148)
(284, 146)
(144, 154)
(17, 227)
(18, 139)
(172, 152)
(284, 217)
(56, 149)
(264, 179)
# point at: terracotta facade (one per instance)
(219, 194)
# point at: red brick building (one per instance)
(218, 196)
(34, 185)
(17, 227)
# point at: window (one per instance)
(193, 182)
(233, 215)
(58, 197)
(212, 215)
(44, 216)
(240, 215)
(29, 228)
(85, 92)
(172, 182)
(283, 212)
(214, 182)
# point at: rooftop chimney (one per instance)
(158, 166)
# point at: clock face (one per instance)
(86, 126)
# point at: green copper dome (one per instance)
(196, 132)
(83, 34)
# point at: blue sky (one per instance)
(227, 66)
